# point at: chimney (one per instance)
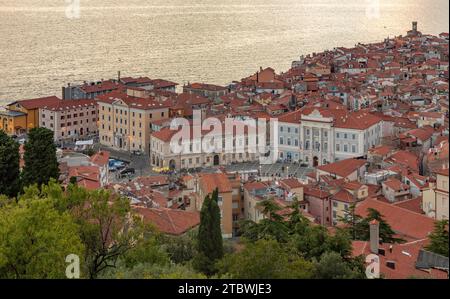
(374, 236)
(63, 93)
(118, 76)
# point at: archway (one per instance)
(216, 160)
(172, 164)
(315, 161)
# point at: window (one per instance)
(338, 147)
(296, 130)
(307, 145)
(281, 128)
(307, 132)
(296, 142)
(219, 200)
(345, 148)
(345, 135)
(353, 136)
(289, 130)
(335, 204)
(281, 140)
(337, 135)
(353, 148)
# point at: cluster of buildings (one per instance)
(371, 120)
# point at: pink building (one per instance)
(70, 119)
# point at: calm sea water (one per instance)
(185, 40)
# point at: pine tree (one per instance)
(210, 243)
(439, 238)
(40, 158)
(9, 166)
(386, 232)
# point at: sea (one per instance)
(45, 44)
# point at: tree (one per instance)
(108, 229)
(332, 266)
(265, 259)
(9, 166)
(359, 228)
(386, 232)
(181, 249)
(152, 271)
(352, 222)
(35, 240)
(210, 243)
(147, 251)
(40, 158)
(439, 238)
(273, 226)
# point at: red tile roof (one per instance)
(169, 221)
(343, 168)
(406, 223)
(210, 181)
(404, 158)
(38, 102)
(101, 158)
(404, 256)
(395, 185)
(414, 205)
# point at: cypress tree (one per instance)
(40, 158)
(439, 238)
(9, 166)
(210, 243)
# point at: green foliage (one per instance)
(273, 226)
(147, 251)
(359, 227)
(439, 238)
(9, 166)
(107, 228)
(210, 244)
(35, 240)
(153, 271)
(332, 266)
(265, 259)
(40, 158)
(180, 249)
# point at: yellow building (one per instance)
(13, 122)
(125, 119)
(435, 198)
(207, 183)
(31, 110)
(349, 193)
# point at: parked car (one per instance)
(127, 171)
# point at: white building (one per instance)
(70, 119)
(317, 136)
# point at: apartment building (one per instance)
(70, 119)
(125, 120)
(435, 198)
(207, 183)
